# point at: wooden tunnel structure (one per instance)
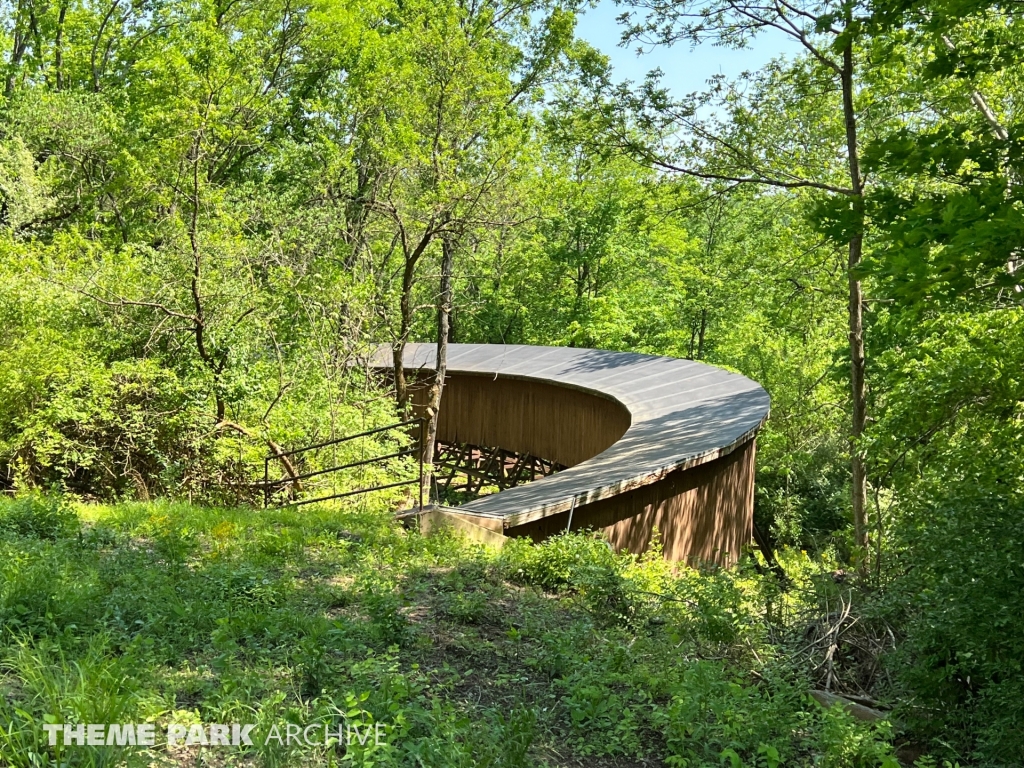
(647, 442)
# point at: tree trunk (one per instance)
(412, 257)
(401, 385)
(858, 492)
(700, 334)
(444, 310)
(582, 277)
(213, 360)
(859, 399)
(356, 213)
(58, 48)
(18, 45)
(398, 348)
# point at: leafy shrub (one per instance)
(962, 662)
(172, 541)
(580, 563)
(464, 607)
(805, 502)
(39, 516)
(557, 563)
(715, 718)
(389, 623)
(951, 434)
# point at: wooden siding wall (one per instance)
(555, 423)
(704, 514)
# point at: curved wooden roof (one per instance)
(682, 414)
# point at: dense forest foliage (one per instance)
(212, 212)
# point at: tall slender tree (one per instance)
(730, 153)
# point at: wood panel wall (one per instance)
(704, 514)
(555, 423)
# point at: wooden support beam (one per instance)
(485, 465)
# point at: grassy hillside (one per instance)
(561, 654)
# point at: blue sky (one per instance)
(685, 70)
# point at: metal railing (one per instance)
(269, 486)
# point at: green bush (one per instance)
(805, 503)
(961, 666)
(568, 560)
(39, 516)
(951, 436)
(389, 623)
(580, 563)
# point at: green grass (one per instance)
(561, 654)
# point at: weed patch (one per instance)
(558, 654)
